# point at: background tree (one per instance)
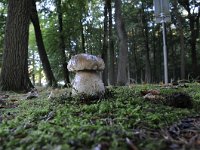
(111, 53)
(193, 10)
(179, 22)
(105, 44)
(122, 77)
(36, 72)
(145, 33)
(62, 42)
(41, 48)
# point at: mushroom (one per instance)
(87, 79)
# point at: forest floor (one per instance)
(136, 117)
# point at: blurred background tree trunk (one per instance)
(62, 43)
(111, 53)
(51, 81)
(105, 44)
(122, 75)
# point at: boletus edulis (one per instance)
(87, 79)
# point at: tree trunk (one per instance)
(33, 65)
(40, 75)
(14, 74)
(154, 74)
(146, 46)
(122, 76)
(133, 56)
(194, 31)
(147, 65)
(193, 46)
(105, 45)
(82, 37)
(62, 44)
(173, 56)
(41, 49)
(182, 46)
(111, 47)
(180, 30)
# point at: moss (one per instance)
(70, 123)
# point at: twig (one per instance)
(133, 147)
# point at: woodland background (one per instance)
(45, 34)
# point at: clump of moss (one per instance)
(179, 100)
(174, 99)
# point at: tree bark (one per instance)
(180, 30)
(194, 31)
(146, 46)
(154, 74)
(105, 45)
(111, 72)
(193, 45)
(173, 56)
(41, 49)
(62, 43)
(33, 65)
(122, 77)
(82, 36)
(40, 75)
(133, 56)
(14, 74)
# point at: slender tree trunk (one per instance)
(154, 55)
(194, 31)
(122, 76)
(105, 45)
(135, 60)
(194, 28)
(160, 62)
(62, 44)
(111, 47)
(82, 37)
(147, 60)
(33, 64)
(182, 46)
(173, 56)
(134, 57)
(14, 73)
(193, 46)
(40, 75)
(146, 47)
(180, 30)
(41, 49)
(136, 65)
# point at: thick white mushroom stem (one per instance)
(88, 82)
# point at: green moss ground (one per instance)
(68, 123)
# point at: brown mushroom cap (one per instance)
(85, 62)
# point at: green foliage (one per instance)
(72, 124)
(87, 17)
